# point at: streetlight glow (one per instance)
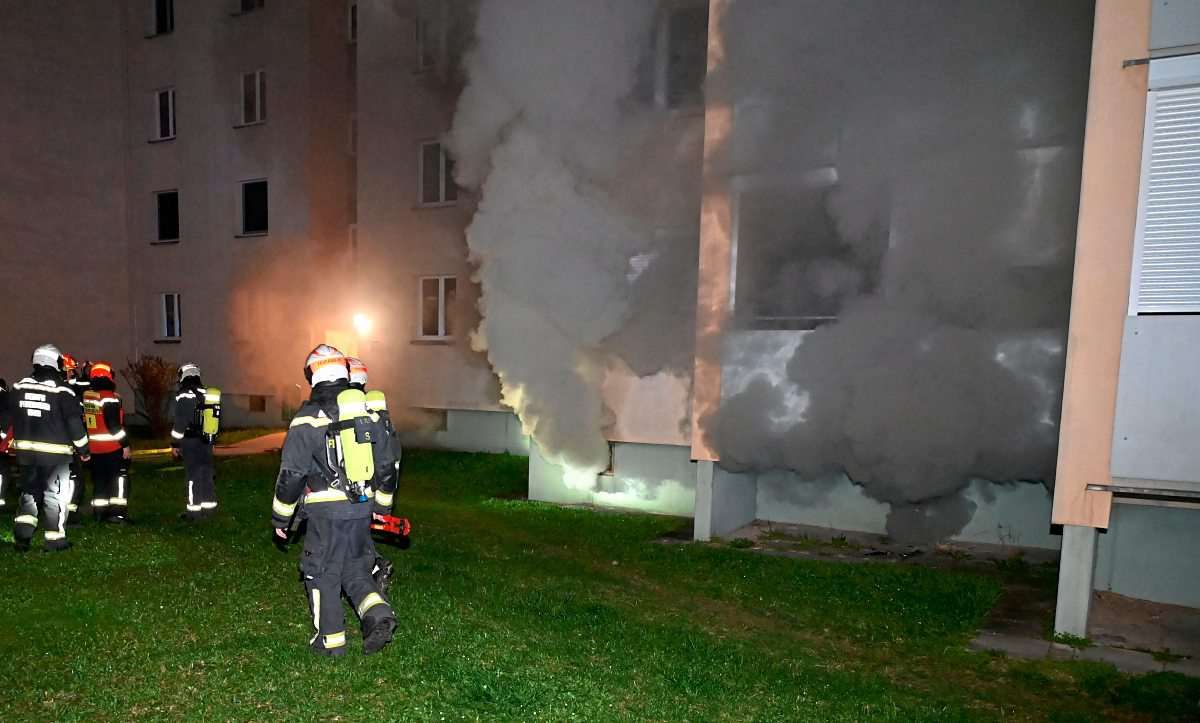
(362, 324)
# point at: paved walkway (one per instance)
(272, 442)
(267, 443)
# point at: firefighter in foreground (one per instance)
(329, 458)
(48, 432)
(197, 418)
(105, 419)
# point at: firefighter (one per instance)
(190, 441)
(376, 404)
(48, 432)
(105, 418)
(73, 372)
(328, 459)
(5, 438)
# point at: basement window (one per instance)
(436, 176)
(164, 114)
(249, 6)
(167, 215)
(435, 305)
(253, 88)
(254, 209)
(172, 319)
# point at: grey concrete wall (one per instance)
(1016, 514)
(1150, 553)
(649, 477)
(473, 431)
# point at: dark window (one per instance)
(164, 106)
(437, 175)
(164, 16)
(252, 5)
(254, 97)
(258, 403)
(687, 55)
(437, 302)
(168, 215)
(448, 292)
(172, 317)
(254, 207)
(352, 22)
(430, 295)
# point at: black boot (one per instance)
(377, 633)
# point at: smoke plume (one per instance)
(911, 196)
(583, 223)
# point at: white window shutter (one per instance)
(1166, 273)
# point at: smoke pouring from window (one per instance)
(905, 177)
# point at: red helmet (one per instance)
(102, 369)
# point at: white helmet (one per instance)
(189, 370)
(325, 364)
(358, 371)
(48, 355)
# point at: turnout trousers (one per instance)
(46, 488)
(5, 479)
(77, 484)
(337, 558)
(198, 466)
(110, 485)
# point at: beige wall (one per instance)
(62, 184)
(399, 241)
(248, 303)
(1104, 249)
(712, 293)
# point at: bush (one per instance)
(152, 379)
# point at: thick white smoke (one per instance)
(581, 203)
(912, 169)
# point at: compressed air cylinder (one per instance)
(358, 459)
(212, 412)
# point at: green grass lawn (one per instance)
(510, 610)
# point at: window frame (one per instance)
(158, 240)
(165, 332)
(260, 95)
(447, 179)
(443, 310)
(156, 96)
(242, 232)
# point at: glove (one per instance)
(279, 537)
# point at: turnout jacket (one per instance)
(47, 419)
(189, 405)
(309, 470)
(105, 419)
